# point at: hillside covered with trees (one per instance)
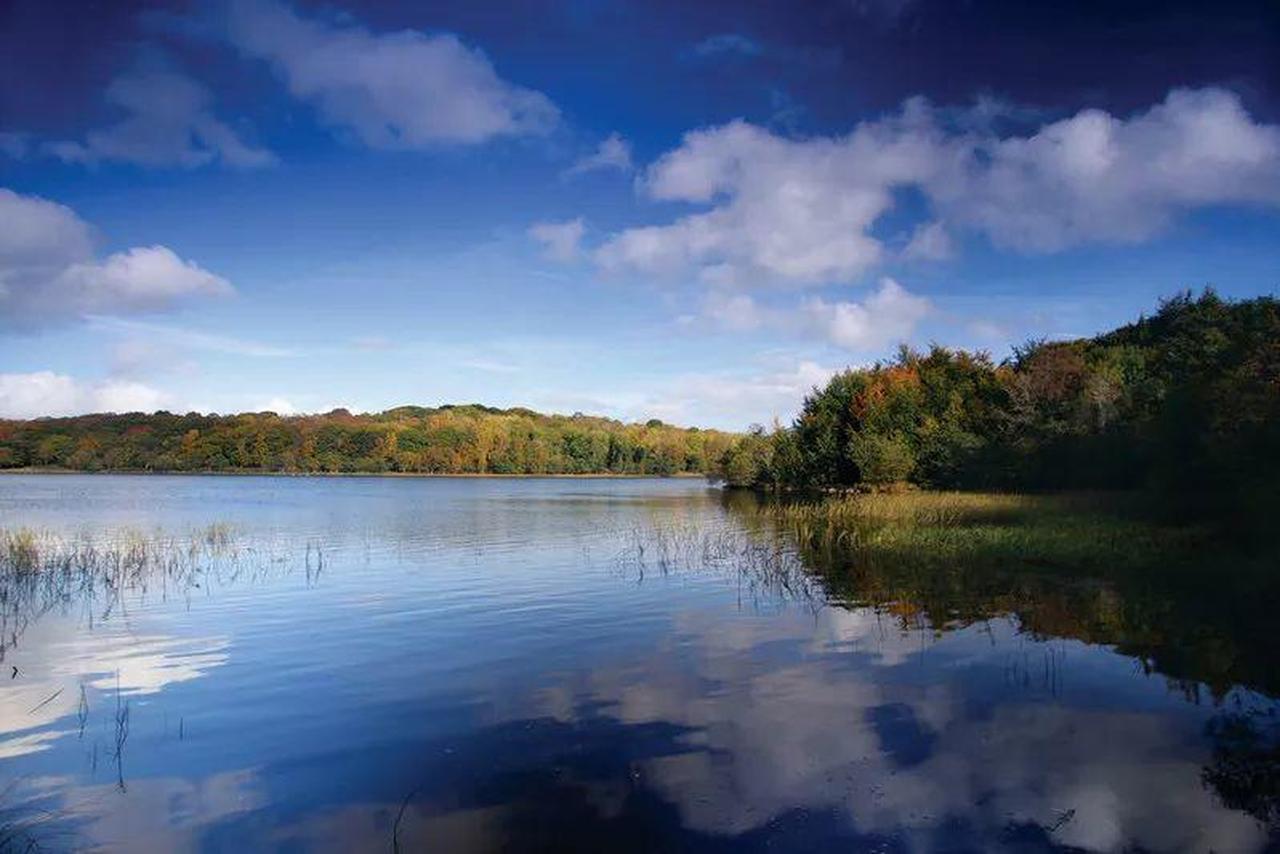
(449, 439)
(1184, 402)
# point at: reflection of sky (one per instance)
(55, 659)
(478, 649)
(793, 720)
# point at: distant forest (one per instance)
(1185, 402)
(444, 440)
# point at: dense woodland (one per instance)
(449, 439)
(1185, 402)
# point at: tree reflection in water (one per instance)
(1199, 614)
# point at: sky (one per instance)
(688, 211)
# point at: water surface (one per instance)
(542, 664)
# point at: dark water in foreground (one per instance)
(474, 665)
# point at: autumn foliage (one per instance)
(445, 440)
(1185, 403)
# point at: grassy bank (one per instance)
(1187, 601)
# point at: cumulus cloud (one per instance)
(278, 405)
(141, 279)
(779, 209)
(399, 90)
(49, 274)
(802, 211)
(733, 400)
(561, 241)
(1096, 177)
(887, 316)
(613, 153)
(168, 123)
(45, 393)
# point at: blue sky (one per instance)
(639, 210)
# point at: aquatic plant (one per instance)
(1069, 531)
(1092, 567)
(41, 570)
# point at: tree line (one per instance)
(1186, 402)
(444, 440)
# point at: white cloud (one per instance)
(139, 279)
(772, 386)
(126, 396)
(47, 393)
(802, 211)
(614, 152)
(929, 242)
(888, 316)
(39, 236)
(278, 405)
(40, 393)
(49, 275)
(1098, 178)
(736, 312)
(562, 241)
(733, 401)
(780, 210)
(168, 122)
(398, 90)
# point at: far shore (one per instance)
(54, 470)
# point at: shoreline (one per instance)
(52, 470)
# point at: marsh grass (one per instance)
(768, 568)
(1071, 532)
(43, 570)
(881, 547)
(1100, 568)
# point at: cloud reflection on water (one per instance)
(503, 672)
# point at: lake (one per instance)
(337, 664)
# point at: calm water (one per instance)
(474, 665)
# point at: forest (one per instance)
(1184, 403)
(469, 439)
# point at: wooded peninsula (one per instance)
(1184, 404)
